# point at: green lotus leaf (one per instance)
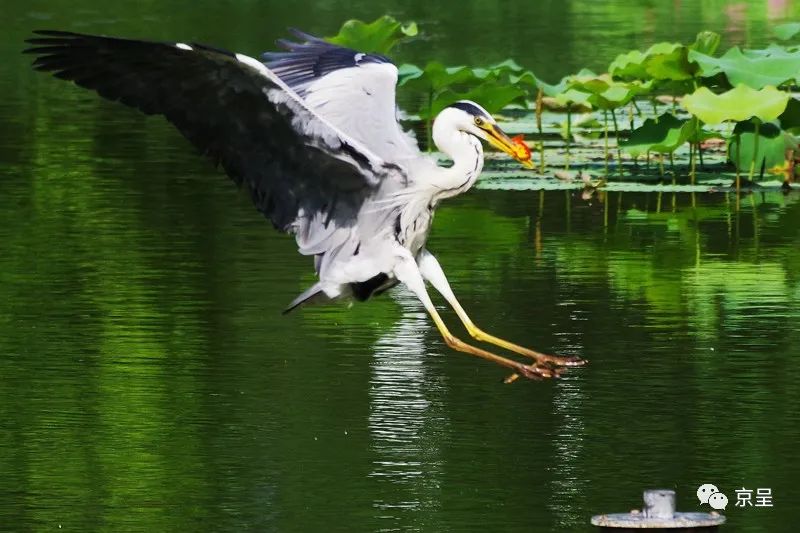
(756, 71)
(784, 32)
(605, 93)
(507, 65)
(378, 36)
(435, 76)
(664, 134)
(773, 50)
(566, 82)
(790, 118)
(772, 144)
(706, 42)
(629, 66)
(493, 98)
(739, 104)
(669, 61)
(662, 61)
(573, 96)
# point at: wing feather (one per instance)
(294, 162)
(353, 90)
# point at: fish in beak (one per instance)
(515, 147)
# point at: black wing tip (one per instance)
(300, 34)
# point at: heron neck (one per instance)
(466, 151)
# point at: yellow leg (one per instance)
(407, 271)
(480, 335)
(431, 270)
(535, 371)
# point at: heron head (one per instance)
(474, 119)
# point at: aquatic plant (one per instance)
(746, 88)
(378, 36)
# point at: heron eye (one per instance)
(478, 121)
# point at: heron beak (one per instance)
(515, 147)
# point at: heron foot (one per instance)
(546, 367)
(561, 360)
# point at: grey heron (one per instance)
(312, 133)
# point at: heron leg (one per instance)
(408, 273)
(431, 270)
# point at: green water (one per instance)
(148, 381)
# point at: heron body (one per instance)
(312, 134)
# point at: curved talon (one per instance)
(557, 360)
(551, 367)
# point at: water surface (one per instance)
(149, 382)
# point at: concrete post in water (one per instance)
(659, 513)
(659, 503)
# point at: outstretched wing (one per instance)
(294, 162)
(353, 90)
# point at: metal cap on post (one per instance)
(659, 503)
(659, 512)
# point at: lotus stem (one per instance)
(539, 111)
(569, 133)
(672, 166)
(655, 106)
(605, 140)
(616, 136)
(630, 116)
(661, 165)
(541, 159)
(738, 162)
(755, 153)
(700, 155)
(692, 162)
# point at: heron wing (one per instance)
(295, 163)
(353, 90)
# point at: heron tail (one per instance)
(311, 294)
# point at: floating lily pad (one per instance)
(740, 103)
(775, 67)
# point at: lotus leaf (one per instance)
(706, 42)
(604, 93)
(773, 50)
(671, 62)
(434, 76)
(786, 31)
(662, 61)
(740, 103)
(629, 66)
(771, 144)
(756, 71)
(664, 134)
(379, 36)
(493, 98)
(790, 118)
